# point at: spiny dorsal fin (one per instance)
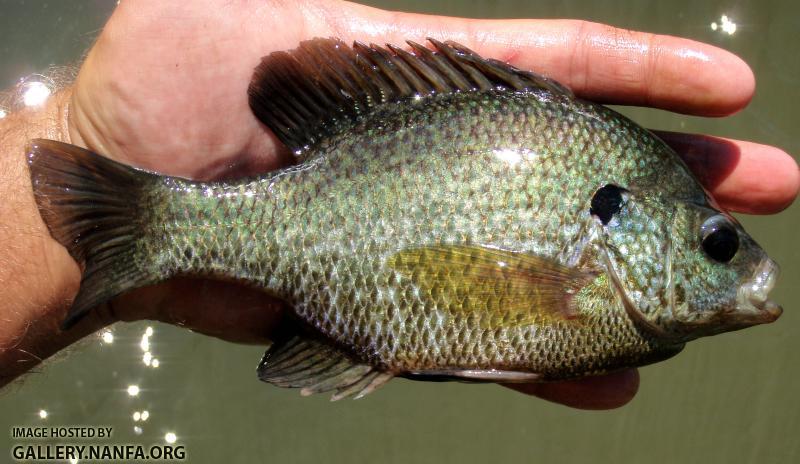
(324, 85)
(317, 367)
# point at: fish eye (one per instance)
(606, 202)
(720, 239)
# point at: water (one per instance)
(730, 398)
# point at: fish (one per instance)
(449, 217)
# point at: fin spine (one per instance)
(325, 86)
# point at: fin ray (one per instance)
(476, 375)
(509, 287)
(315, 366)
(92, 206)
(324, 86)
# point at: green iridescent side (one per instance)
(508, 170)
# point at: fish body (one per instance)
(449, 216)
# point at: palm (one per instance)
(165, 86)
(173, 98)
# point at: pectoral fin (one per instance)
(511, 288)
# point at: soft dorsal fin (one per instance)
(324, 85)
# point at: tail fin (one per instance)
(93, 206)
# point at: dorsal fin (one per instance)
(324, 85)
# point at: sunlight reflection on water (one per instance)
(726, 25)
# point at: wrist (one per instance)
(38, 278)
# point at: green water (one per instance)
(726, 399)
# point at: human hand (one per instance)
(165, 88)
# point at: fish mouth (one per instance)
(753, 303)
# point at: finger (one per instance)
(743, 176)
(224, 310)
(602, 392)
(598, 62)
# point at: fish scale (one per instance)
(349, 232)
(504, 232)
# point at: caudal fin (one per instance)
(94, 207)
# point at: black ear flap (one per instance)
(606, 202)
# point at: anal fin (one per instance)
(475, 375)
(317, 367)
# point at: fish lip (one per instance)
(754, 294)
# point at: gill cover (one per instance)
(685, 270)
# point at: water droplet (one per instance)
(42, 414)
(133, 390)
(170, 437)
